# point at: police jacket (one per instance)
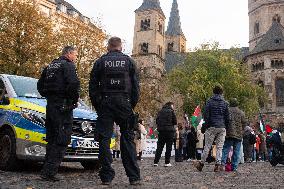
(59, 79)
(166, 119)
(216, 112)
(114, 74)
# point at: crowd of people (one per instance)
(236, 141)
(243, 146)
(114, 92)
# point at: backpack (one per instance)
(252, 138)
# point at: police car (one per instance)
(22, 130)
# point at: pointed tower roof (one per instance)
(174, 26)
(150, 5)
(273, 40)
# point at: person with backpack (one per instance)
(249, 140)
(166, 121)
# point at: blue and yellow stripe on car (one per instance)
(25, 129)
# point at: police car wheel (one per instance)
(91, 165)
(8, 159)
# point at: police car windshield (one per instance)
(25, 86)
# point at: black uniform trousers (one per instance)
(116, 109)
(164, 137)
(58, 135)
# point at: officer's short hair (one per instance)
(67, 50)
(114, 42)
(218, 89)
(169, 104)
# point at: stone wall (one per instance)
(268, 75)
(263, 11)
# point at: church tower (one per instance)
(266, 56)
(149, 36)
(261, 15)
(175, 39)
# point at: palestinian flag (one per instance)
(268, 128)
(196, 117)
(261, 124)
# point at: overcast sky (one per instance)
(225, 21)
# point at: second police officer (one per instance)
(60, 85)
(114, 92)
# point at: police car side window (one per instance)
(2, 87)
(3, 92)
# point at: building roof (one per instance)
(68, 5)
(150, 5)
(173, 59)
(273, 40)
(174, 26)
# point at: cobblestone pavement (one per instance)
(181, 175)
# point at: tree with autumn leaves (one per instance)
(209, 66)
(90, 43)
(29, 40)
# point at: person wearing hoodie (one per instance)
(217, 118)
(166, 121)
(234, 135)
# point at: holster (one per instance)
(67, 106)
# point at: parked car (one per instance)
(22, 126)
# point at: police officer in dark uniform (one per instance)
(114, 92)
(60, 85)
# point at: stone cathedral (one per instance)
(157, 50)
(154, 49)
(266, 55)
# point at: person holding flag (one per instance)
(196, 118)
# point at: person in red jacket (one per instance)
(257, 144)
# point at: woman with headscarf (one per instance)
(248, 142)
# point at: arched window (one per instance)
(160, 28)
(160, 51)
(170, 47)
(144, 48)
(145, 25)
(256, 28)
(281, 63)
(272, 64)
(276, 18)
(279, 86)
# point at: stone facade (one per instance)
(153, 48)
(62, 12)
(152, 36)
(156, 51)
(266, 55)
(261, 13)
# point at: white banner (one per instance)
(151, 147)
